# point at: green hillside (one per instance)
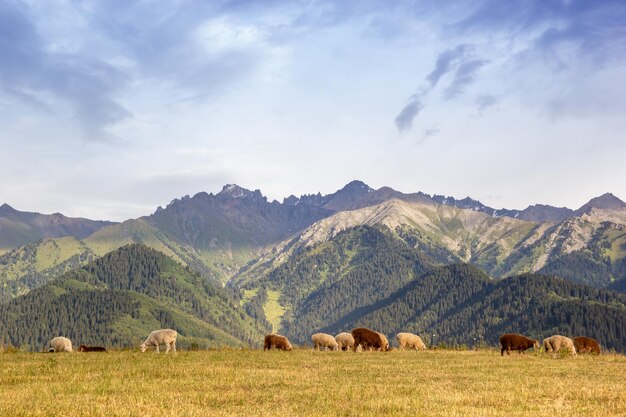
(458, 304)
(119, 298)
(37, 263)
(367, 276)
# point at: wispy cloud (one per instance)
(459, 59)
(31, 73)
(463, 77)
(404, 120)
(446, 61)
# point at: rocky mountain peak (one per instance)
(357, 186)
(234, 191)
(6, 209)
(606, 201)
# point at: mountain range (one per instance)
(353, 257)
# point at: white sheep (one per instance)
(158, 337)
(558, 342)
(410, 340)
(60, 344)
(323, 340)
(345, 341)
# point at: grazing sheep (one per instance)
(276, 341)
(510, 341)
(60, 344)
(369, 339)
(344, 341)
(323, 340)
(586, 345)
(83, 348)
(410, 340)
(159, 337)
(558, 342)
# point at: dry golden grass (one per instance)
(303, 382)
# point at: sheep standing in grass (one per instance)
(159, 337)
(369, 339)
(557, 342)
(345, 341)
(410, 340)
(276, 341)
(512, 341)
(60, 344)
(323, 340)
(586, 345)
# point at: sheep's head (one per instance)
(536, 344)
(143, 347)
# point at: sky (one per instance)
(109, 109)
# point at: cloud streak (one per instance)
(458, 59)
(463, 77)
(445, 62)
(37, 77)
(404, 120)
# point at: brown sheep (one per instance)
(369, 338)
(276, 341)
(511, 341)
(557, 342)
(586, 345)
(344, 340)
(410, 340)
(84, 348)
(323, 340)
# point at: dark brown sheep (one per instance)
(84, 348)
(369, 338)
(517, 342)
(586, 345)
(276, 341)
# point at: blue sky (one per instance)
(109, 109)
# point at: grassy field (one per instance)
(303, 382)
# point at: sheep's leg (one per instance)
(167, 347)
(157, 349)
(174, 346)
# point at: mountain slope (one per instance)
(459, 305)
(219, 235)
(360, 266)
(119, 298)
(500, 245)
(18, 228)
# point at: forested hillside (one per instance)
(119, 298)
(367, 276)
(459, 305)
(356, 269)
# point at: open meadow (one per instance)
(304, 382)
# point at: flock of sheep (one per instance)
(552, 344)
(165, 337)
(360, 338)
(363, 338)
